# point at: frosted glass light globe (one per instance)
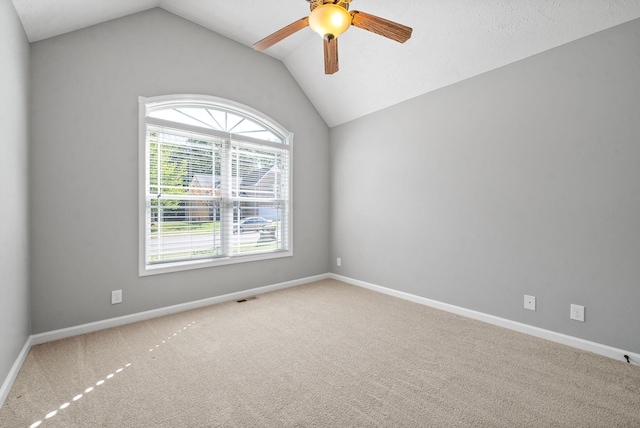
(329, 20)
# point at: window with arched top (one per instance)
(215, 184)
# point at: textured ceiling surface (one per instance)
(452, 40)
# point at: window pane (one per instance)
(187, 232)
(261, 228)
(217, 119)
(183, 198)
(258, 173)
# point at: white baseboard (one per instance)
(575, 342)
(155, 313)
(586, 345)
(13, 373)
(50, 336)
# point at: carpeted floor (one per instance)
(325, 354)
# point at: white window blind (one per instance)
(216, 185)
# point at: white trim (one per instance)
(142, 172)
(37, 339)
(575, 342)
(205, 263)
(154, 313)
(147, 104)
(40, 338)
(15, 369)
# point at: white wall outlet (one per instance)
(339, 261)
(577, 312)
(530, 302)
(116, 297)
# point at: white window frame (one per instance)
(148, 103)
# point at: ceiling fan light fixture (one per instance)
(329, 20)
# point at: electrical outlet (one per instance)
(116, 297)
(577, 312)
(530, 302)
(339, 261)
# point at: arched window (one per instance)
(215, 181)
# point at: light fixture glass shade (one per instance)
(329, 20)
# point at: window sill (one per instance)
(146, 270)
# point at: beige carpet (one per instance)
(325, 354)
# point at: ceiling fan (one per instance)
(330, 18)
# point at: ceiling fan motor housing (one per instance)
(341, 3)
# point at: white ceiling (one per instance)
(452, 40)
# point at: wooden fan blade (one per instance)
(330, 56)
(282, 33)
(389, 29)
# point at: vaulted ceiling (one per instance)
(452, 40)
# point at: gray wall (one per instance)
(14, 284)
(84, 169)
(523, 180)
